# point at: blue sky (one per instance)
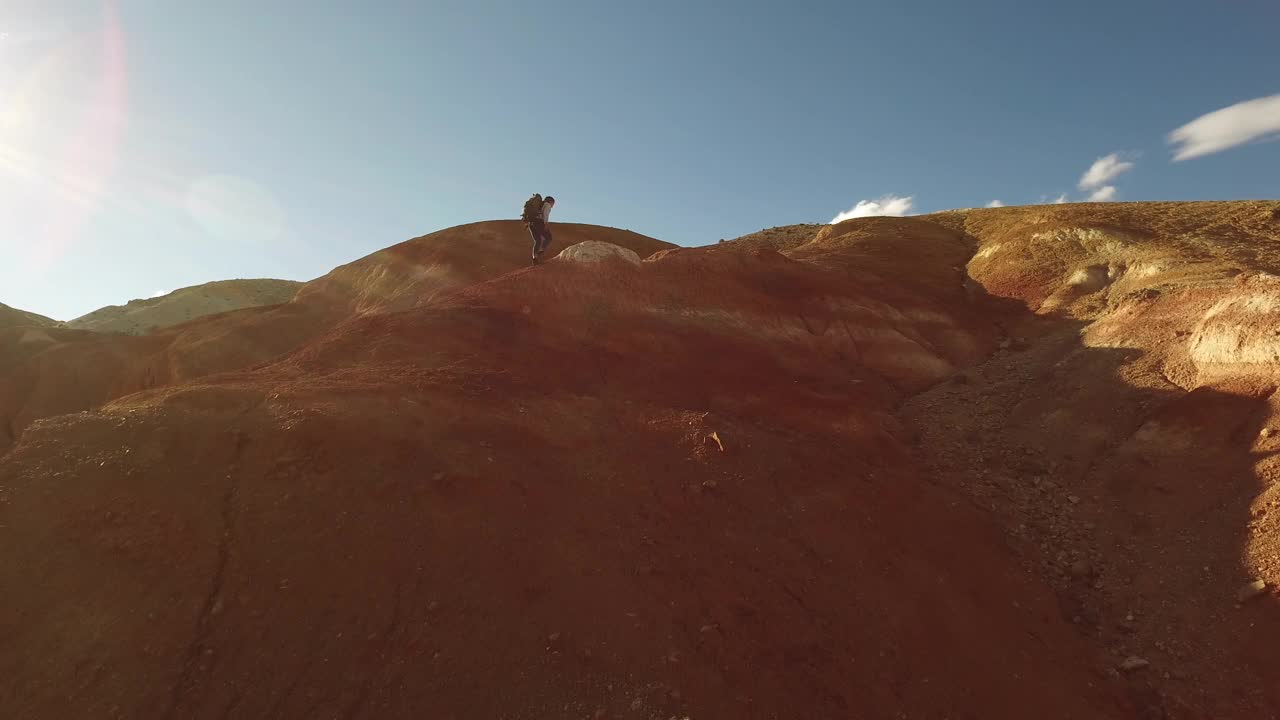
(152, 144)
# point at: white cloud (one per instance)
(1106, 193)
(995, 203)
(888, 205)
(1229, 127)
(1056, 201)
(159, 293)
(1103, 170)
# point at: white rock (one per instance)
(593, 251)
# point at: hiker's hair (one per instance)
(548, 199)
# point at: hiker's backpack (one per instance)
(532, 208)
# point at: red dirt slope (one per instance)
(511, 501)
(414, 272)
(993, 463)
(44, 374)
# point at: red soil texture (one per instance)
(1003, 463)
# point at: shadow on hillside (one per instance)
(1134, 502)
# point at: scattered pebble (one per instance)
(1252, 591)
(1133, 663)
(715, 437)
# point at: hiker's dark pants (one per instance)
(541, 237)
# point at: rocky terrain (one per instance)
(994, 463)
